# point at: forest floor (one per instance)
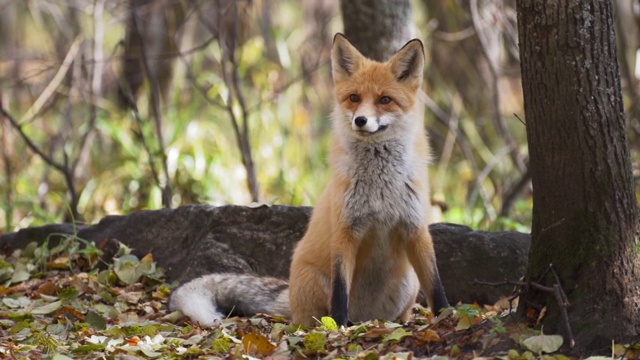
(63, 303)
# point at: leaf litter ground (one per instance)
(62, 302)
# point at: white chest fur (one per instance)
(380, 193)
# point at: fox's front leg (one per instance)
(343, 261)
(423, 259)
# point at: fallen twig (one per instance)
(556, 290)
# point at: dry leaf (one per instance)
(257, 344)
(543, 312)
(428, 336)
(463, 324)
(133, 341)
(47, 288)
(59, 263)
(377, 332)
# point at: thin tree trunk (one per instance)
(585, 219)
(377, 28)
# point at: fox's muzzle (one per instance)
(369, 125)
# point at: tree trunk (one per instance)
(377, 28)
(151, 24)
(585, 220)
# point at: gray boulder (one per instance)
(198, 239)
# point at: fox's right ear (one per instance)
(345, 58)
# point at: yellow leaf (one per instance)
(147, 258)
(257, 344)
(463, 324)
(61, 262)
(455, 351)
(328, 323)
(315, 341)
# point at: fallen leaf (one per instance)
(455, 351)
(395, 336)
(47, 288)
(59, 263)
(60, 357)
(20, 273)
(147, 266)
(315, 341)
(531, 313)
(256, 205)
(543, 312)
(257, 344)
(125, 268)
(132, 341)
(95, 320)
(428, 336)
(376, 333)
(328, 323)
(221, 345)
(69, 312)
(20, 302)
(47, 309)
(68, 293)
(89, 348)
(132, 297)
(463, 324)
(543, 343)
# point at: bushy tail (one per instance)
(213, 297)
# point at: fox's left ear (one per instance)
(408, 63)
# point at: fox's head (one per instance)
(376, 99)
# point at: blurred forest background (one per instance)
(109, 107)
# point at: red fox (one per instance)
(367, 250)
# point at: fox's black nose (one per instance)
(361, 121)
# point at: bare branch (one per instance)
(96, 84)
(497, 284)
(62, 168)
(495, 160)
(157, 117)
(509, 198)
(464, 146)
(145, 145)
(496, 100)
(7, 154)
(230, 75)
(54, 83)
(455, 36)
(556, 290)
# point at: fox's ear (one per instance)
(345, 58)
(408, 63)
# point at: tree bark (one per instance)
(585, 219)
(377, 28)
(151, 24)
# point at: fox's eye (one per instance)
(385, 100)
(354, 98)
